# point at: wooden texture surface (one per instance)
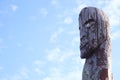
(95, 45)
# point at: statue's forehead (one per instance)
(88, 13)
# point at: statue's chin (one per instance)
(85, 54)
(87, 51)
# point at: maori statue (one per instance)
(95, 45)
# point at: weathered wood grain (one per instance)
(95, 44)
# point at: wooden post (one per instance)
(95, 45)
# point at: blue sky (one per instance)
(39, 39)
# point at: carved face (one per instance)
(91, 23)
(88, 37)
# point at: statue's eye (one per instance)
(89, 23)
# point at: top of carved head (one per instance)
(93, 26)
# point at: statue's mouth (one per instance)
(84, 42)
(83, 45)
(84, 50)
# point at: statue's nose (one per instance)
(83, 33)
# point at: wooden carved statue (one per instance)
(95, 44)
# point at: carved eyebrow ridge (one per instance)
(89, 20)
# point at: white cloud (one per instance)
(76, 40)
(14, 7)
(60, 55)
(55, 2)
(74, 75)
(73, 32)
(65, 55)
(78, 8)
(46, 78)
(80, 2)
(43, 12)
(101, 2)
(38, 62)
(78, 61)
(1, 67)
(68, 20)
(56, 34)
(114, 20)
(54, 54)
(38, 65)
(3, 79)
(16, 77)
(21, 75)
(82, 61)
(24, 73)
(58, 74)
(112, 9)
(30, 48)
(115, 35)
(39, 71)
(55, 74)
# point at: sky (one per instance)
(39, 39)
